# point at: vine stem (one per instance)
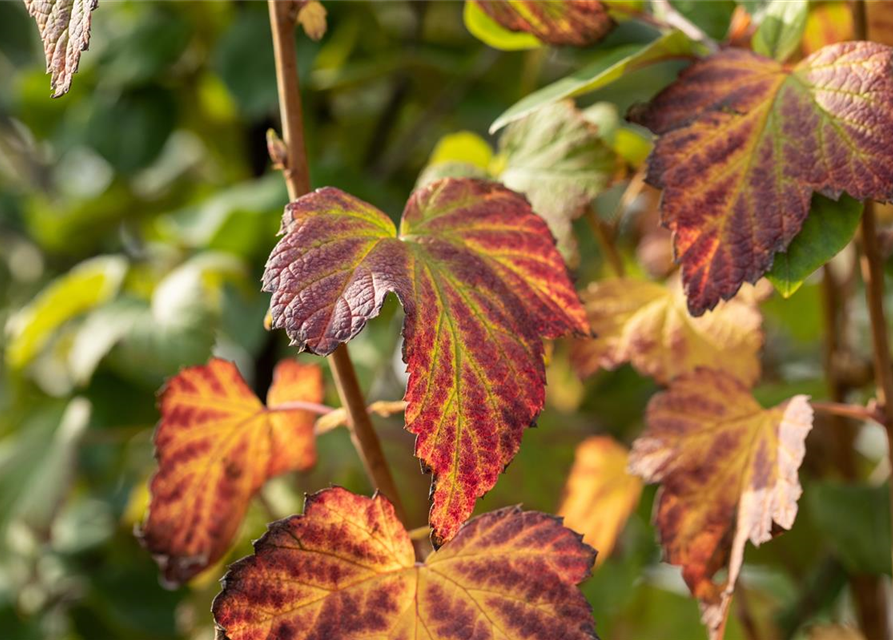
(297, 178)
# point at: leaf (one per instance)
(855, 519)
(556, 158)
(879, 16)
(481, 283)
(608, 67)
(827, 23)
(728, 470)
(828, 229)
(87, 285)
(744, 143)
(493, 34)
(64, 27)
(312, 18)
(600, 495)
(346, 569)
(216, 446)
(781, 29)
(648, 325)
(577, 23)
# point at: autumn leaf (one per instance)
(64, 27)
(556, 158)
(648, 325)
(216, 446)
(346, 569)
(728, 474)
(827, 23)
(600, 495)
(481, 283)
(744, 143)
(558, 22)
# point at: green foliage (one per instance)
(781, 28)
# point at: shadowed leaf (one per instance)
(781, 28)
(828, 229)
(744, 143)
(728, 470)
(648, 325)
(64, 27)
(558, 22)
(556, 158)
(346, 570)
(481, 283)
(600, 495)
(216, 446)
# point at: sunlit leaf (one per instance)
(88, 285)
(556, 158)
(481, 283)
(493, 34)
(558, 22)
(216, 445)
(828, 229)
(827, 23)
(346, 569)
(648, 325)
(744, 143)
(728, 474)
(64, 27)
(781, 28)
(600, 495)
(608, 67)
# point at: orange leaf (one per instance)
(600, 495)
(744, 143)
(216, 446)
(648, 325)
(559, 22)
(346, 569)
(728, 470)
(827, 23)
(64, 27)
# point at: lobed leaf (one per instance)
(481, 283)
(600, 495)
(728, 474)
(558, 22)
(648, 325)
(744, 143)
(556, 158)
(64, 27)
(346, 569)
(216, 445)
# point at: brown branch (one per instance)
(605, 239)
(842, 410)
(301, 405)
(297, 177)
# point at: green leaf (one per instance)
(782, 28)
(462, 146)
(605, 69)
(828, 229)
(856, 521)
(87, 285)
(491, 33)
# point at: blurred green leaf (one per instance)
(86, 286)
(781, 29)
(493, 34)
(828, 229)
(856, 521)
(609, 66)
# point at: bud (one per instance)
(312, 18)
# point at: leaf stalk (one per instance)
(297, 179)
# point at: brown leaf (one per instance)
(64, 27)
(728, 474)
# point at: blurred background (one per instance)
(136, 213)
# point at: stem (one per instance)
(842, 410)
(297, 178)
(873, 275)
(300, 405)
(605, 241)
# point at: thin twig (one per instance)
(300, 405)
(282, 23)
(865, 414)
